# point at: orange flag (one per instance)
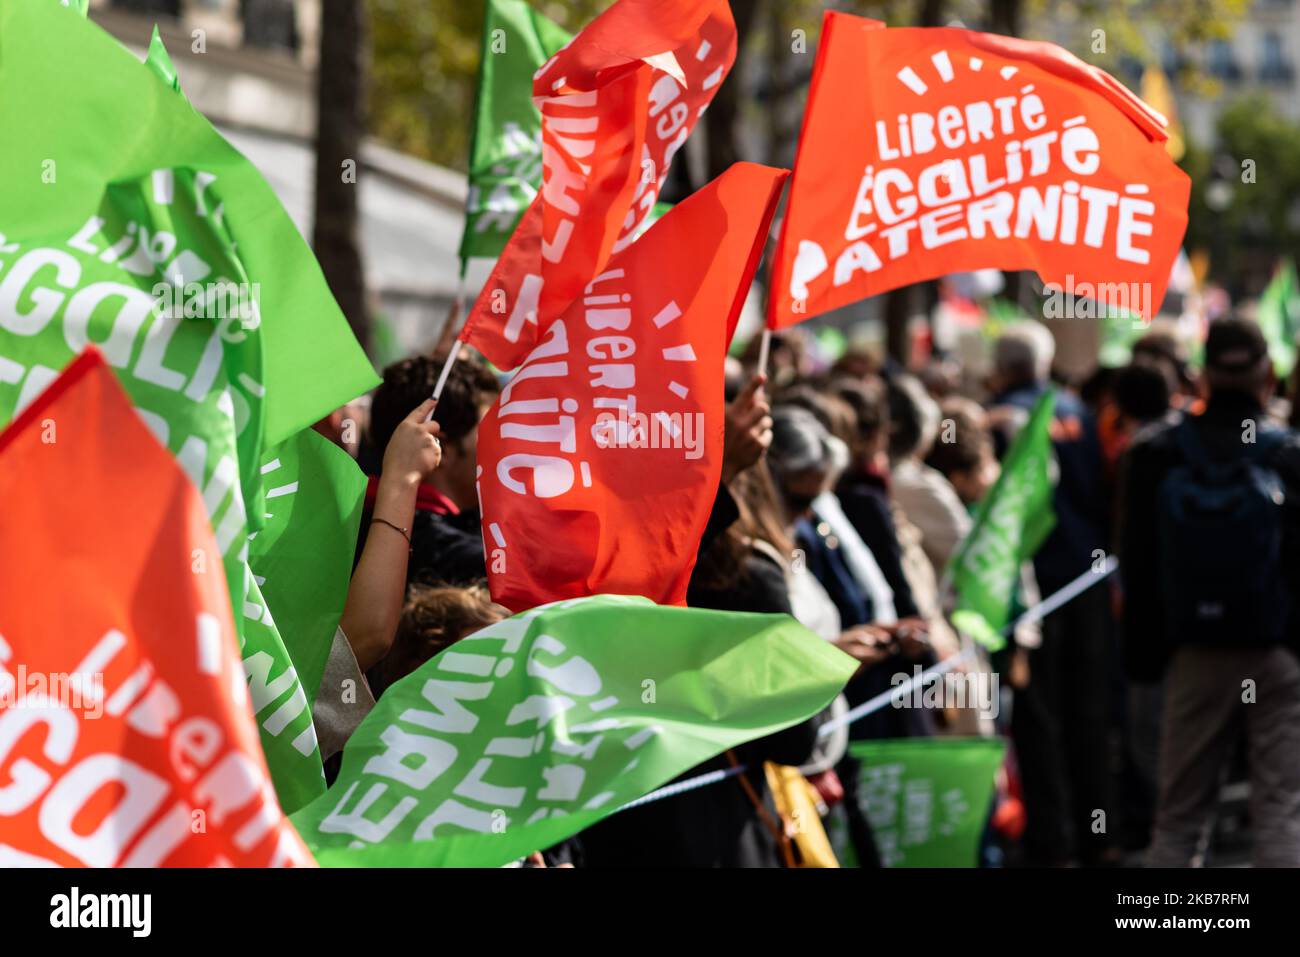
(599, 463)
(126, 737)
(617, 104)
(928, 151)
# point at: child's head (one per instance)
(433, 619)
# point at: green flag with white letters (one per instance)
(927, 799)
(534, 728)
(129, 223)
(505, 164)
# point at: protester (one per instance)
(433, 618)
(373, 606)
(927, 498)
(1138, 394)
(1209, 536)
(446, 543)
(864, 488)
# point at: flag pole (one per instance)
(765, 342)
(456, 309)
(764, 347)
(442, 376)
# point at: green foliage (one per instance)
(1258, 221)
(424, 68)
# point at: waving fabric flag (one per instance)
(1013, 520)
(536, 727)
(927, 799)
(599, 461)
(128, 739)
(1279, 317)
(158, 60)
(616, 104)
(927, 151)
(131, 224)
(505, 162)
(303, 554)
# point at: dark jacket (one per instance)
(1154, 452)
(1079, 498)
(865, 500)
(446, 543)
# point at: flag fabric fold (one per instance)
(599, 462)
(534, 728)
(505, 163)
(133, 225)
(117, 642)
(928, 151)
(617, 103)
(927, 799)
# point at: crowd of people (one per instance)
(845, 492)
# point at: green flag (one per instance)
(132, 225)
(299, 566)
(303, 555)
(160, 62)
(1279, 317)
(1012, 521)
(529, 731)
(927, 799)
(505, 164)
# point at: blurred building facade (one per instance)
(1259, 56)
(249, 67)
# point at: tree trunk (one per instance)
(1004, 18)
(898, 302)
(721, 118)
(340, 126)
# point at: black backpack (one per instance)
(1221, 543)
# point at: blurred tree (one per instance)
(340, 126)
(1245, 204)
(425, 70)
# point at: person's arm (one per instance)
(378, 587)
(748, 429)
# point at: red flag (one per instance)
(617, 104)
(599, 463)
(929, 151)
(126, 737)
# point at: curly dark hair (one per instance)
(433, 619)
(469, 387)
